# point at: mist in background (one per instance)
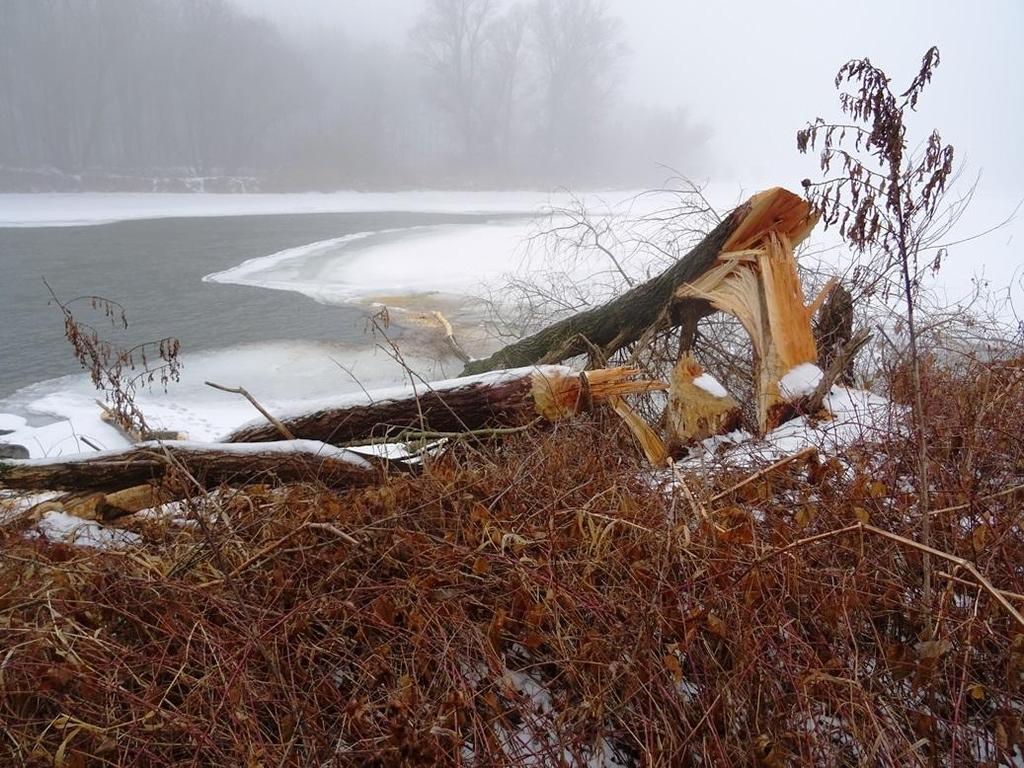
(277, 95)
(458, 93)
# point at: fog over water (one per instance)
(749, 74)
(327, 94)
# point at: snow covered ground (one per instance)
(60, 209)
(857, 416)
(60, 416)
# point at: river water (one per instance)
(155, 269)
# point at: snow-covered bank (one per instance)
(87, 208)
(857, 416)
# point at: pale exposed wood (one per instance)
(823, 294)
(652, 445)
(775, 210)
(693, 413)
(765, 295)
(449, 336)
(109, 506)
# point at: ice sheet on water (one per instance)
(436, 259)
(284, 377)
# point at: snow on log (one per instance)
(492, 400)
(209, 464)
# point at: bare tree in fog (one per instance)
(191, 85)
(578, 46)
(196, 94)
(451, 37)
(506, 73)
(479, 54)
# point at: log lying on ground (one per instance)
(133, 434)
(120, 503)
(493, 400)
(623, 320)
(210, 465)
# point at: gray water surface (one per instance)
(155, 269)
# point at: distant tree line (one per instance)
(486, 93)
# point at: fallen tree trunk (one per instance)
(623, 320)
(210, 465)
(493, 400)
(117, 504)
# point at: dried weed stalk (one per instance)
(118, 371)
(885, 200)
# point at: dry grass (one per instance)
(663, 628)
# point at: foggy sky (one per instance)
(754, 72)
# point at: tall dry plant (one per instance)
(884, 199)
(118, 371)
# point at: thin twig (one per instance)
(410, 435)
(966, 583)
(266, 414)
(999, 595)
(969, 504)
(762, 472)
(962, 562)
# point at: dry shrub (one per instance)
(539, 601)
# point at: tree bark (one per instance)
(623, 320)
(495, 400)
(833, 328)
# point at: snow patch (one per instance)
(10, 423)
(58, 526)
(308, 447)
(711, 385)
(800, 381)
(857, 416)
